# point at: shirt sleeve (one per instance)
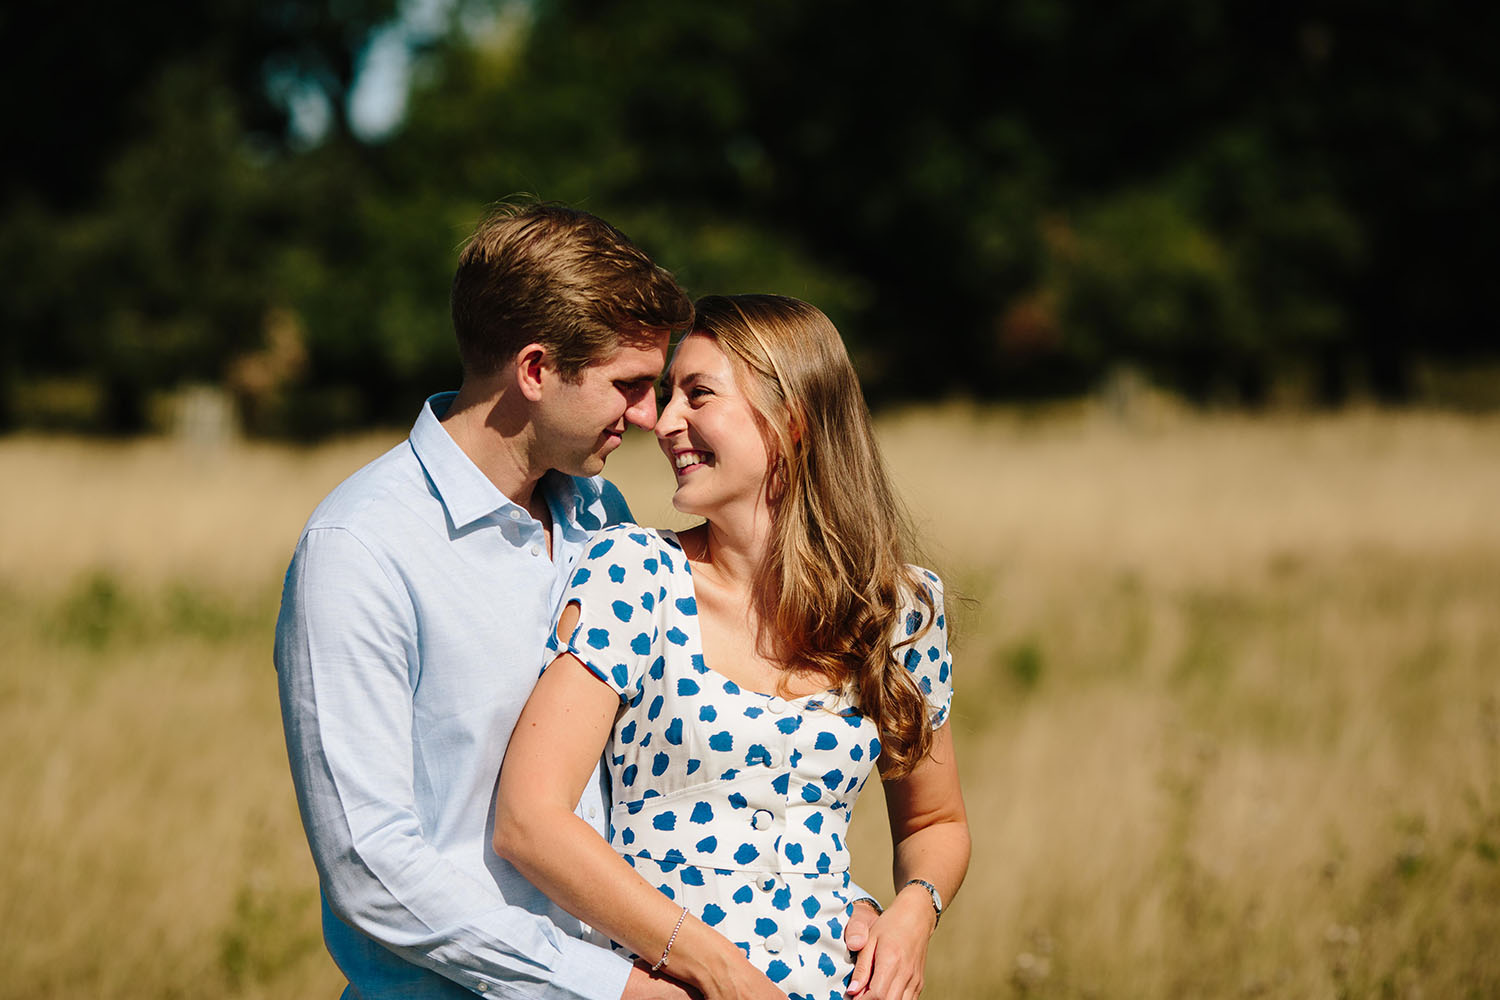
(927, 657)
(620, 588)
(345, 660)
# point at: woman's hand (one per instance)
(717, 968)
(751, 984)
(893, 961)
(930, 836)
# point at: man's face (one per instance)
(582, 421)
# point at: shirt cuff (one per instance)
(588, 972)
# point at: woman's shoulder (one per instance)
(657, 547)
(921, 613)
(924, 581)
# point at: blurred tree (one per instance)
(994, 198)
(143, 208)
(80, 79)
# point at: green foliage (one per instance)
(997, 199)
(96, 612)
(1025, 664)
(266, 934)
(101, 612)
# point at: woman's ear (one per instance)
(795, 427)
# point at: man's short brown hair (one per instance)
(560, 277)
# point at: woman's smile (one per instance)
(708, 432)
(685, 461)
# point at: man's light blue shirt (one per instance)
(413, 625)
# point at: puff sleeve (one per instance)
(620, 587)
(926, 657)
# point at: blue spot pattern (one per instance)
(734, 803)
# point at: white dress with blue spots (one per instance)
(733, 803)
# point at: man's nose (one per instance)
(643, 413)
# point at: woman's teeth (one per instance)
(684, 459)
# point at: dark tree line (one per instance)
(1002, 199)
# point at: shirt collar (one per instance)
(468, 494)
(574, 503)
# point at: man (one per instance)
(416, 610)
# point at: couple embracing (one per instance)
(671, 814)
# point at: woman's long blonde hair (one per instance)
(835, 583)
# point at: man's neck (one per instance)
(490, 427)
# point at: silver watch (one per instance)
(937, 899)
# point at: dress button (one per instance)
(811, 793)
(773, 944)
(773, 759)
(761, 819)
(776, 706)
(767, 882)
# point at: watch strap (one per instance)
(933, 895)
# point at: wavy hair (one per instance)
(834, 586)
(560, 277)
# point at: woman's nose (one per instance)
(670, 419)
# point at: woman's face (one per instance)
(707, 430)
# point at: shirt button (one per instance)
(515, 515)
(773, 944)
(761, 819)
(483, 987)
(536, 550)
(776, 706)
(593, 812)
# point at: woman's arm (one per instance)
(557, 742)
(930, 834)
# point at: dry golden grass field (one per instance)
(1228, 707)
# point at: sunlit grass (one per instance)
(1228, 710)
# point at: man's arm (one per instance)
(345, 642)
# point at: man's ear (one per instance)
(532, 361)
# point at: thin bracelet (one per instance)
(661, 963)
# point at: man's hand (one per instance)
(644, 984)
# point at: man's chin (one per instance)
(593, 463)
(589, 466)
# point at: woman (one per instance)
(754, 668)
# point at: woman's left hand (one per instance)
(893, 961)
